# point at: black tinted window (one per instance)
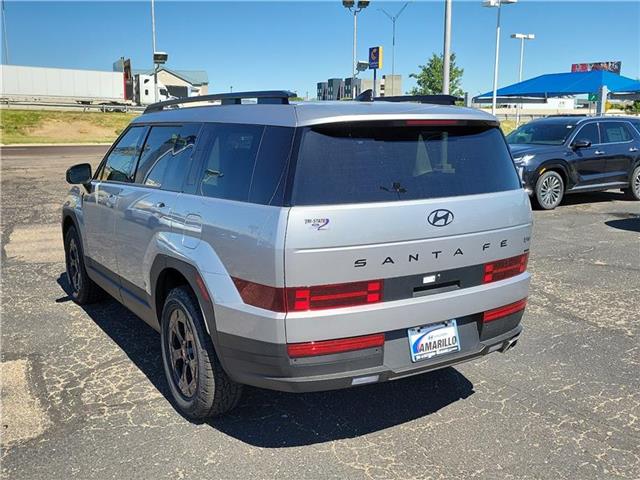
(613, 132)
(364, 163)
(166, 156)
(121, 162)
(541, 132)
(268, 181)
(589, 132)
(636, 124)
(229, 160)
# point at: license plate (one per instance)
(433, 340)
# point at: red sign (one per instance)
(613, 67)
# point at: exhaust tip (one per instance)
(509, 344)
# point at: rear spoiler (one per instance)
(367, 96)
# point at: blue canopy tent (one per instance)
(564, 84)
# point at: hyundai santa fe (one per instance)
(304, 247)
(560, 155)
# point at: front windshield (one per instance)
(542, 133)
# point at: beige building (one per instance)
(391, 86)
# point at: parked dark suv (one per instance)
(558, 155)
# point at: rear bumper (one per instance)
(267, 365)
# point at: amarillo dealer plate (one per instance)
(433, 340)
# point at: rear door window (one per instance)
(380, 162)
(615, 132)
(268, 180)
(229, 160)
(121, 163)
(167, 156)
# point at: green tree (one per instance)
(429, 78)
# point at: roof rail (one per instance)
(280, 97)
(367, 96)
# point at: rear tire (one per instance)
(549, 190)
(83, 290)
(199, 386)
(633, 191)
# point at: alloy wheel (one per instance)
(182, 353)
(635, 183)
(550, 191)
(73, 266)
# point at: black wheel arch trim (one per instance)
(190, 273)
(553, 165)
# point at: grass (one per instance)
(47, 126)
(507, 126)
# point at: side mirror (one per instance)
(79, 174)
(580, 143)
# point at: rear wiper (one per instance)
(395, 187)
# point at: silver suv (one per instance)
(304, 247)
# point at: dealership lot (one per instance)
(84, 394)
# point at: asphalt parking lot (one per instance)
(84, 395)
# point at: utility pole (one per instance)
(446, 51)
(522, 37)
(393, 19)
(355, 9)
(4, 35)
(498, 4)
(153, 38)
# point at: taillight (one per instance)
(326, 347)
(496, 313)
(263, 296)
(319, 297)
(508, 267)
(301, 299)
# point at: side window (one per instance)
(229, 160)
(268, 181)
(589, 132)
(166, 156)
(636, 124)
(121, 162)
(613, 132)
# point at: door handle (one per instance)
(599, 152)
(110, 202)
(633, 149)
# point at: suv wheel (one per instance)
(633, 191)
(549, 190)
(199, 386)
(83, 289)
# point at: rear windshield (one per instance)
(358, 163)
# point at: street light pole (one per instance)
(393, 19)
(354, 64)
(4, 35)
(496, 3)
(522, 37)
(153, 39)
(446, 51)
(355, 9)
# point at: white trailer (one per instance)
(41, 84)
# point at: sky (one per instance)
(295, 44)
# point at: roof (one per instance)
(578, 119)
(561, 84)
(194, 77)
(312, 113)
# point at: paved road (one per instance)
(85, 396)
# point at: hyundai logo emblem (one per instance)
(440, 217)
